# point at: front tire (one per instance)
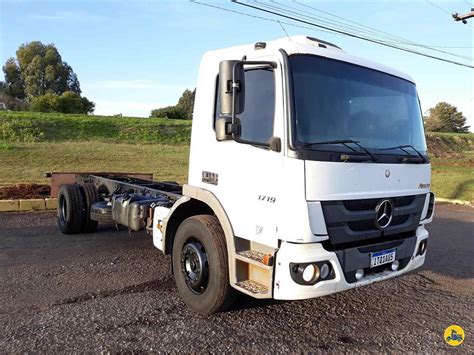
(200, 265)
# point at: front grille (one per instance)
(353, 221)
(367, 225)
(371, 203)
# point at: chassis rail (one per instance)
(112, 184)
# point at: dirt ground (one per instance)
(24, 191)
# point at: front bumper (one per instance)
(285, 288)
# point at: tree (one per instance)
(171, 112)
(68, 102)
(183, 110)
(14, 83)
(38, 69)
(87, 105)
(186, 103)
(445, 118)
(45, 103)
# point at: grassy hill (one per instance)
(32, 143)
(47, 127)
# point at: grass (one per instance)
(54, 127)
(453, 177)
(452, 160)
(33, 143)
(26, 162)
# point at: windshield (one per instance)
(335, 100)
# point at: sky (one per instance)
(134, 56)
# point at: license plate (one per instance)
(382, 257)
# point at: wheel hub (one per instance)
(195, 266)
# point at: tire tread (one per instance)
(75, 206)
(90, 197)
(222, 296)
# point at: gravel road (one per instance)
(109, 291)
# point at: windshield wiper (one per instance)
(402, 147)
(345, 143)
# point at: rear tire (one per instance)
(90, 197)
(200, 265)
(70, 209)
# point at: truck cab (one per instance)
(308, 175)
(309, 202)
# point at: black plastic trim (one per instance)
(359, 257)
(298, 277)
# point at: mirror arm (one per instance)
(233, 128)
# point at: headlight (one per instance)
(311, 273)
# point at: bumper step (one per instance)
(256, 257)
(252, 287)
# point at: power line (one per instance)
(353, 35)
(356, 30)
(282, 22)
(258, 17)
(388, 35)
(347, 20)
(438, 7)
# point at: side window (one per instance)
(258, 116)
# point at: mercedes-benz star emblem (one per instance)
(383, 214)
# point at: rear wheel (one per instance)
(90, 197)
(70, 209)
(200, 265)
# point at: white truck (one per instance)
(308, 175)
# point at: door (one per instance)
(251, 179)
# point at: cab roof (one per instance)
(301, 45)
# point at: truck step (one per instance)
(265, 259)
(252, 287)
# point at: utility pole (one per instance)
(464, 17)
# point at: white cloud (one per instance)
(126, 108)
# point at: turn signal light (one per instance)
(267, 260)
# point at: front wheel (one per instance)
(200, 265)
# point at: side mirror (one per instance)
(231, 87)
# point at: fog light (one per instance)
(311, 273)
(324, 271)
(359, 274)
(395, 265)
(422, 247)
